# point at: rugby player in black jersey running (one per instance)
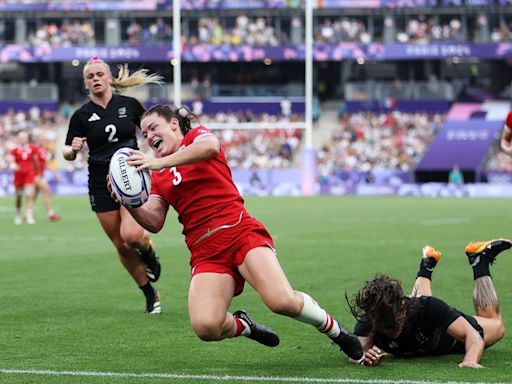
(106, 123)
(422, 325)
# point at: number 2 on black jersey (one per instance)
(112, 136)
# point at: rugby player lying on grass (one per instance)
(422, 325)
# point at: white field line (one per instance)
(226, 378)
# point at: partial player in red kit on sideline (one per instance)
(227, 245)
(41, 185)
(26, 165)
(506, 136)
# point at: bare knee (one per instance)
(207, 330)
(288, 304)
(131, 237)
(500, 331)
(134, 238)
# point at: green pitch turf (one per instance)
(68, 305)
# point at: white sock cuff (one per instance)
(311, 313)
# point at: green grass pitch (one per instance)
(68, 305)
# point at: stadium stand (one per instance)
(366, 141)
(386, 60)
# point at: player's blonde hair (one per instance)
(124, 79)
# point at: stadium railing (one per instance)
(28, 92)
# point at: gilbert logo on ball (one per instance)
(130, 186)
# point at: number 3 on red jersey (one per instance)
(176, 176)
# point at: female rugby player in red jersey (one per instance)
(228, 246)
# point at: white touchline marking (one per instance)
(228, 378)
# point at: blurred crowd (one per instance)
(425, 30)
(331, 31)
(362, 141)
(245, 148)
(246, 30)
(417, 29)
(499, 161)
(257, 148)
(65, 35)
(153, 33)
(369, 141)
(272, 31)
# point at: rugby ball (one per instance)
(130, 186)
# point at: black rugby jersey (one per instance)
(106, 129)
(424, 333)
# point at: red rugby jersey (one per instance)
(24, 157)
(203, 194)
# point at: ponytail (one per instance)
(124, 79)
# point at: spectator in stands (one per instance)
(296, 31)
(455, 176)
(286, 108)
(502, 33)
(133, 32)
(456, 181)
(34, 113)
(197, 106)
